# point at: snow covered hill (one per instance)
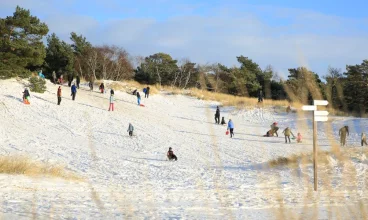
(215, 177)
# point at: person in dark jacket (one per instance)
(260, 96)
(364, 139)
(138, 98)
(112, 92)
(343, 132)
(171, 155)
(26, 96)
(130, 129)
(59, 95)
(134, 92)
(102, 88)
(147, 92)
(90, 85)
(70, 79)
(217, 116)
(223, 121)
(74, 91)
(78, 81)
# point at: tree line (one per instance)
(23, 51)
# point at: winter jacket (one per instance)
(74, 89)
(287, 132)
(59, 92)
(170, 153)
(138, 95)
(217, 112)
(230, 125)
(53, 75)
(364, 138)
(78, 79)
(148, 90)
(112, 99)
(223, 121)
(102, 86)
(144, 90)
(26, 93)
(130, 127)
(112, 92)
(343, 131)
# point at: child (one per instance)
(287, 133)
(102, 88)
(111, 107)
(171, 155)
(26, 96)
(138, 98)
(130, 130)
(364, 140)
(230, 126)
(223, 121)
(299, 138)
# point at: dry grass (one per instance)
(20, 165)
(294, 160)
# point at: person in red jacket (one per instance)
(171, 155)
(59, 95)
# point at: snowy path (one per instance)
(214, 177)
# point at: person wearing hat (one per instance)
(230, 126)
(171, 155)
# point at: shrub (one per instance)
(37, 84)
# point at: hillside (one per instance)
(214, 177)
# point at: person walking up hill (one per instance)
(74, 91)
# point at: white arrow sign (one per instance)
(321, 118)
(320, 102)
(309, 108)
(321, 113)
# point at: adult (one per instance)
(112, 92)
(54, 77)
(74, 91)
(70, 79)
(343, 132)
(217, 116)
(78, 81)
(59, 95)
(138, 98)
(260, 96)
(147, 92)
(230, 126)
(90, 84)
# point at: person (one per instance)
(342, 132)
(274, 129)
(112, 92)
(147, 92)
(74, 91)
(230, 126)
(130, 129)
(90, 84)
(102, 88)
(78, 81)
(70, 79)
(134, 92)
(287, 133)
(139, 98)
(40, 74)
(223, 121)
(59, 95)
(364, 140)
(260, 96)
(288, 109)
(54, 77)
(217, 116)
(171, 155)
(111, 107)
(26, 96)
(61, 81)
(299, 138)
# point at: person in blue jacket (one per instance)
(230, 126)
(74, 91)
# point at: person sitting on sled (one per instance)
(171, 155)
(223, 121)
(26, 96)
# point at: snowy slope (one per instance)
(215, 177)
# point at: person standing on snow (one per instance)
(364, 140)
(111, 107)
(59, 95)
(112, 92)
(287, 133)
(74, 91)
(102, 88)
(130, 129)
(260, 96)
(78, 81)
(230, 126)
(147, 92)
(217, 116)
(26, 96)
(138, 98)
(53, 77)
(171, 155)
(342, 132)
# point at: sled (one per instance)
(141, 105)
(227, 133)
(25, 101)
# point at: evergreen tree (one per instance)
(21, 46)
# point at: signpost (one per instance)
(317, 116)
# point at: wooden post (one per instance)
(315, 152)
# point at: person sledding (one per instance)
(112, 99)
(130, 129)
(230, 126)
(223, 121)
(287, 133)
(102, 88)
(217, 116)
(26, 96)
(171, 155)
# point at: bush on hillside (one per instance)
(37, 84)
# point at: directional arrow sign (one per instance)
(320, 102)
(321, 113)
(321, 118)
(309, 108)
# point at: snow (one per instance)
(215, 177)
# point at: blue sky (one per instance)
(284, 34)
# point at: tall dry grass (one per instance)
(21, 165)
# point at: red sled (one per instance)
(227, 132)
(141, 105)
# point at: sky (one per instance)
(284, 34)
